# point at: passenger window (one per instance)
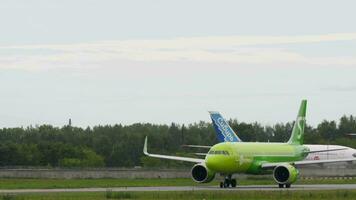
(219, 152)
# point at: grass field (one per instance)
(90, 183)
(221, 195)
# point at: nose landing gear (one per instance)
(282, 185)
(228, 182)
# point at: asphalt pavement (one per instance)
(189, 188)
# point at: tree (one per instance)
(121, 145)
(328, 130)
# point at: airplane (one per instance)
(228, 158)
(321, 152)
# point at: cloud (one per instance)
(339, 88)
(225, 49)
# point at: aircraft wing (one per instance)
(201, 154)
(178, 158)
(327, 150)
(306, 162)
(196, 146)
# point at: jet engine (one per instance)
(285, 174)
(201, 174)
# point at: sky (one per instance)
(109, 61)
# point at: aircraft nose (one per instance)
(211, 162)
(220, 163)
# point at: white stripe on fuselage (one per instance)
(341, 154)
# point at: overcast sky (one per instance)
(107, 62)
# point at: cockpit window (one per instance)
(219, 152)
(354, 155)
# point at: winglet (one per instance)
(145, 147)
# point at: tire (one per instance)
(226, 184)
(287, 185)
(280, 185)
(221, 184)
(233, 183)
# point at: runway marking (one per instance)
(188, 188)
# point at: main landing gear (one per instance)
(228, 182)
(282, 185)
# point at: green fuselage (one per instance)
(247, 157)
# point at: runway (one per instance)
(189, 188)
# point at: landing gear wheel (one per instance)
(233, 182)
(226, 183)
(280, 185)
(287, 185)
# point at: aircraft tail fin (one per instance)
(297, 136)
(223, 129)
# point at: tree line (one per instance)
(121, 145)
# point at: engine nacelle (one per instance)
(201, 174)
(285, 174)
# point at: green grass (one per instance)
(190, 195)
(90, 183)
